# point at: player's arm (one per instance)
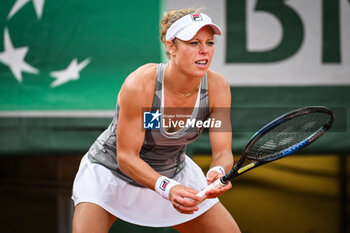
(132, 100)
(134, 97)
(220, 139)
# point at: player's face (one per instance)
(194, 56)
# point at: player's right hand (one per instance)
(184, 199)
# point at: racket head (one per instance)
(289, 133)
(283, 136)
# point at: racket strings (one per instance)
(286, 135)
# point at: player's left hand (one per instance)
(212, 176)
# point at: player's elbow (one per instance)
(123, 161)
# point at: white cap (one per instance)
(187, 27)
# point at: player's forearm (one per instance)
(223, 159)
(138, 170)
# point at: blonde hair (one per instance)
(170, 17)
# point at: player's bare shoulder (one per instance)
(140, 84)
(142, 77)
(218, 89)
(216, 81)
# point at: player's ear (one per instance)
(170, 46)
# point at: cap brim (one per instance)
(189, 32)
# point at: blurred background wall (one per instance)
(62, 64)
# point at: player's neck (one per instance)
(179, 82)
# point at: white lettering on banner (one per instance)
(193, 123)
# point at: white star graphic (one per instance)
(38, 5)
(70, 73)
(156, 115)
(14, 58)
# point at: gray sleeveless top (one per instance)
(163, 151)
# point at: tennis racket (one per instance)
(283, 136)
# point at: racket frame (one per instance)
(238, 169)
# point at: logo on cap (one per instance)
(196, 17)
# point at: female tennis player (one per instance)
(144, 176)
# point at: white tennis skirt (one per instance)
(142, 206)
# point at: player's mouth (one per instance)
(202, 62)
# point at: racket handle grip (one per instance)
(216, 184)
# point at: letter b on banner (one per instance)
(292, 32)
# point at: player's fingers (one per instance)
(191, 194)
(212, 176)
(185, 196)
(226, 187)
(187, 199)
(184, 209)
(188, 193)
(213, 193)
(219, 191)
(188, 202)
(192, 191)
